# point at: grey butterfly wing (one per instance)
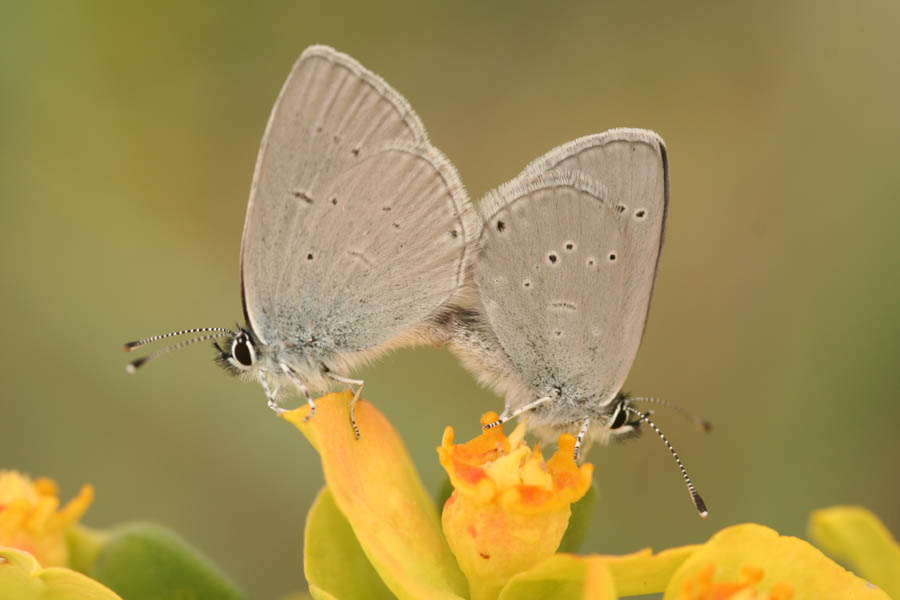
(564, 276)
(357, 228)
(633, 166)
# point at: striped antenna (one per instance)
(698, 501)
(129, 346)
(698, 421)
(135, 364)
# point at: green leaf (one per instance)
(143, 561)
(580, 521)
(335, 565)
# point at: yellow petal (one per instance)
(643, 572)
(855, 536)
(22, 578)
(374, 483)
(563, 577)
(752, 561)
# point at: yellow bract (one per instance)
(31, 520)
(853, 535)
(563, 577)
(643, 572)
(752, 562)
(703, 586)
(22, 578)
(374, 483)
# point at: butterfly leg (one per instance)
(504, 416)
(580, 437)
(271, 395)
(351, 382)
(301, 386)
(508, 416)
(310, 402)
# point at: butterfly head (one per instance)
(240, 353)
(623, 422)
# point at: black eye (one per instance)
(241, 352)
(621, 417)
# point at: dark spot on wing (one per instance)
(301, 195)
(563, 305)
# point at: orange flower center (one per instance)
(703, 587)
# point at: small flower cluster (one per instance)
(46, 555)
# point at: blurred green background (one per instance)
(128, 136)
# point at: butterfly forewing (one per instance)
(357, 227)
(569, 256)
(633, 166)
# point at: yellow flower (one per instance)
(510, 508)
(374, 533)
(46, 555)
(752, 562)
(31, 520)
